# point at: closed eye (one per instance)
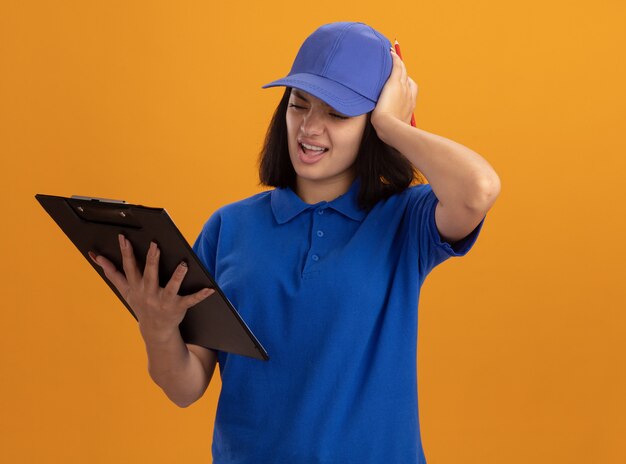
(337, 116)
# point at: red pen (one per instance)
(396, 45)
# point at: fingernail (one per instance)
(122, 240)
(92, 255)
(183, 264)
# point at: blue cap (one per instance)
(344, 64)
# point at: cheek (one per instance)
(289, 123)
(293, 121)
(291, 129)
(352, 140)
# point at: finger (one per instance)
(191, 300)
(403, 73)
(396, 69)
(399, 67)
(128, 261)
(151, 270)
(413, 86)
(110, 271)
(173, 286)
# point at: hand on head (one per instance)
(398, 96)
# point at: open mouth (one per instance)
(311, 150)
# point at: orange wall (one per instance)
(521, 355)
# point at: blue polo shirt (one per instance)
(331, 291)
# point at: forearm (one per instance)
(457, 174)
(174, 368)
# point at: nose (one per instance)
(312, 123)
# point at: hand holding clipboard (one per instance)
(114, 236)
(158, 309)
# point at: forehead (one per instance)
(309, 98)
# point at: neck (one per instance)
(314, 191)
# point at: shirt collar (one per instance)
(286, 204)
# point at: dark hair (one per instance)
(383, 170)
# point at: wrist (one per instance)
(158, 335)
(385, 126)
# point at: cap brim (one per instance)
(341, 98)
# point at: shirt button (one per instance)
(320, 233)
(320, 211)
(315, 258)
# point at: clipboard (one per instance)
(93, 224)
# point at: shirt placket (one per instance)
(315, 255)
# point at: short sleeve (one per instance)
(205, 246)
(433, 250)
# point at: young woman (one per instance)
(326, 268)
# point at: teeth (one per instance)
(313, 147)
